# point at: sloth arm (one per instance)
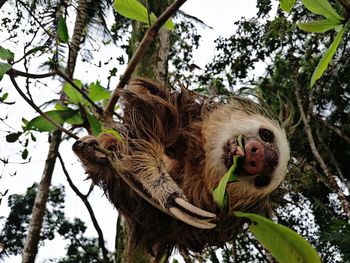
(149, 169)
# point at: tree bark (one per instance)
(31, 245)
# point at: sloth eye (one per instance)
(266, 135)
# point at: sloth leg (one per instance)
(148, 169)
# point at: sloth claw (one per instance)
(191, 214)
(191, 220)
(193, 209)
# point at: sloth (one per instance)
(176, 146)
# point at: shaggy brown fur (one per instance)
(173, 147)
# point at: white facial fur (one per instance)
(229, 122)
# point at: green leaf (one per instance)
(133, 9)
(74, 96)
(73, 120)
(12, 137)
(169, 24)
(287, 5)
(39, 123)
(4, 97)
(4, 67)
(96, 92)
(319, 26)
(282, 242)
(115, 133)
(219, 193)
(6, 54)
(95, 125)
(25, 154)
(25, 122)
(323, 63)
(62, 31)
(76, 119)
(322, 7)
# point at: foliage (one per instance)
(15, 228)
(293, 59)
(283, 243)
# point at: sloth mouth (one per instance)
(233, 147)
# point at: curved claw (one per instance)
(193, 209)
(193, 221)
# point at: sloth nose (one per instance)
(254, 157)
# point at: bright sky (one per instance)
(219, 14)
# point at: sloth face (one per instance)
(263, 149)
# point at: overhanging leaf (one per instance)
(41, 124)
(62, 31)
(322, 7)
(4, 67)
(6, 54)
(95, 125)
(114, 133)
(219, 193)
(319, 26)
(74, 96)
(133, 9)
(287, 5)
(96, 92)
(323, 63)
(282, 242)
(169, 24)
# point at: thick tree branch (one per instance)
(146, 41)
(318, 157)
(101, 241)
(37, 109)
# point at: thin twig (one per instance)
(318, 157)
(37, 109)
(87, 204)
(146, 41)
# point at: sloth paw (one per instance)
(85, 149)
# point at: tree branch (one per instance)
(14, 72)
(318, 157)
(87, 204)
(37, 109)
(146, 41)
(333, 128)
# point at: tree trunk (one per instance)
(154, 64)
(31, 244)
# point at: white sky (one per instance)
(219, 14)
